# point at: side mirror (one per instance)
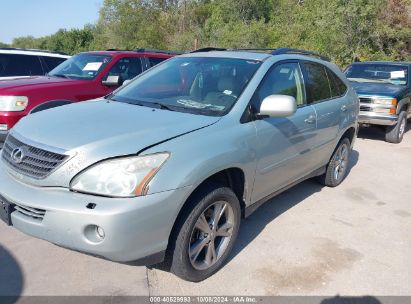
(278, 106)
(112, 81)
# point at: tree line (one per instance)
(344, 30)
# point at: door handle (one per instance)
(310, 119)
(343, 108)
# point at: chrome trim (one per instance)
(42, 163)
(365, 117)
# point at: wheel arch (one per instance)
(233, 178)
(49, 105)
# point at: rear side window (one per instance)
(338, 87)
(19, 65)
(52, 62)
(318, 87)
(154, 61)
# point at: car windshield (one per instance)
(394, 74)
(81, 66)
(206, 86)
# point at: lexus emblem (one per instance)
(18, 155)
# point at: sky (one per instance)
(44, 17)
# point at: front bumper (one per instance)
(365, 117)
(134, 228)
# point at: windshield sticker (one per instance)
(92, 66)
(228, 92)
(198, 105)
(397, 74)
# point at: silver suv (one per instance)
(165, 168)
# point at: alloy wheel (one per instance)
(211, 235)
(341, 162)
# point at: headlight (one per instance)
(123, 177)
(385, 101)
(13, 103)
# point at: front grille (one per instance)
(36, 163)
(37, 214)
(366, 100)
(365, 109)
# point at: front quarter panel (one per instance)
(199, 155)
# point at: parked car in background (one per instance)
(84, 76)
(17, 63)
(165, 167)
(384, 89)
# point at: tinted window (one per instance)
(19, 65)
(206, 86)
(318, 87)
(283, 79)
(153, 61)
(52, 62)
(125, 69)
(338, 87)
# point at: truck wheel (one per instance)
(395, 134)
(338, 165)
(207, 234)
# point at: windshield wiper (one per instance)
(60, 75)
(162, 106)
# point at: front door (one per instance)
(284, 145)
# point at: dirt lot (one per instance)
(352, 240)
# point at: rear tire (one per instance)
(337, 167)
(395, 134)
(201, 245)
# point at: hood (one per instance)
(31, 82)
(380, 89)
(107, 128)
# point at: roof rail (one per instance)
(115, 50)
(254, 49)
(142, 50)
(208, 49)
(32, 50)
(282, 51)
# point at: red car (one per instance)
(82, 77)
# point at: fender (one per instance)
(49, 104)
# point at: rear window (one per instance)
(52, 62)
(338, 87)
(19, 65)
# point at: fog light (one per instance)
(100, 232)
(3, 127)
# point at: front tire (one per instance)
(207, 234)
(337, 167)
(395, 134)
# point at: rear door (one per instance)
(324, 93)
(15, 65)
(284, 145)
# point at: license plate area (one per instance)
(6, 208)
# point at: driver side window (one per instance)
(125, 69)
(283, 79)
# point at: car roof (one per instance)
(254, 55)
(134, 53)
(36, 52)
(231, 54)
(383, 62)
